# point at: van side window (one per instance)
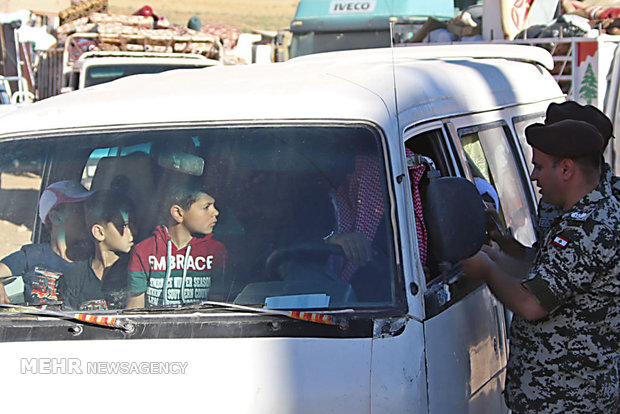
(492, 158)
(20, 180)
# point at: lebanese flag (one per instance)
(560, 241)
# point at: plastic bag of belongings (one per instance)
(577, 19)
(543, 19)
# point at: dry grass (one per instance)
(243, 14)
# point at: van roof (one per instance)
(423, 82)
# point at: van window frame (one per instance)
(444, 289)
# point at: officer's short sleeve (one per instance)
(568, 263)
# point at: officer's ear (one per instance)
(567, 167)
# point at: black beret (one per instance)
(566, 139)
(588, 113)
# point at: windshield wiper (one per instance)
(316, 317)
(98, 320)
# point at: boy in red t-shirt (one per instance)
(179, 262)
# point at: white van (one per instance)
(294, 154)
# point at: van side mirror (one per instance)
(455, 219)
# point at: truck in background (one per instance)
(102, 47)
(328, 25)
(94, 68)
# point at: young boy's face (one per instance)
(201, 217)
(114, 240)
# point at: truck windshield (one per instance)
(97, 74)
(280, 217)
(318, 42)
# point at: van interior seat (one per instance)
(132, 175)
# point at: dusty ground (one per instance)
(243, 14)
(18, 198)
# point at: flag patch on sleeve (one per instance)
(560, 241)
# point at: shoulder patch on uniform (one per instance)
(545, 222)
(579, 216)
(560, 240)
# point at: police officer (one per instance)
(565, 332)
(592, 115)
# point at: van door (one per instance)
(465, 336)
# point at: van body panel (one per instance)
(481, 361)
(399, 382)
(249, 375)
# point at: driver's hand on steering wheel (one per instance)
(357, 248)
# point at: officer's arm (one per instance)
(507, 289)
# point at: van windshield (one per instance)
(280, 217)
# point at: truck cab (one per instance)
(326, 25)
(94, 68)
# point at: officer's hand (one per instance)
(478, 266)
(503, 237)
(356, 246)
(508, 264)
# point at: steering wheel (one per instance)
(316, 252)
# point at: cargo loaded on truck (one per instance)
(102, 47)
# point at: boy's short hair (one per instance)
(182, 193)
(108, 206)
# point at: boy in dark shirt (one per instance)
(41, 264)
(101, 282)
